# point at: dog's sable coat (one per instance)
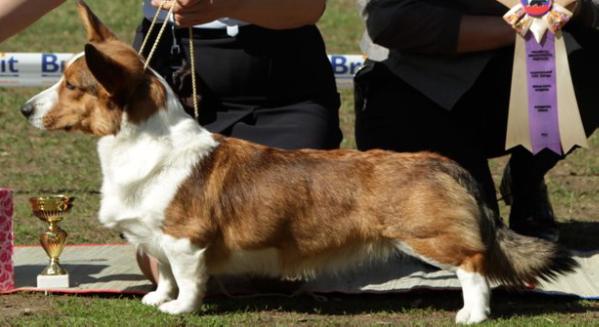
(204, 204)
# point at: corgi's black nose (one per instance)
(27, 110)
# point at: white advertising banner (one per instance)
(31, 69)
(345, 67)
(18, 69)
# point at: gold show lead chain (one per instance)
(194, 87)
(196, 110)
(159, 36)
(149, 32)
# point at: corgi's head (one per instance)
(100, 88)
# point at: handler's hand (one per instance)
(272, 14)
(195, 12)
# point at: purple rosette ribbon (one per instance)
(543, 110)
(542, 94)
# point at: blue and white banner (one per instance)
(18, 69)
(345, 67)
(31, 69)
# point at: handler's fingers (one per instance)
(187, 3)
(182, 21)
(198, 11)
(184, 5)
(167, 4)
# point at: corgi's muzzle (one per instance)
(33, 116)
(38, 106)
(27, 110)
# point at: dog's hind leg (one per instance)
(475, 290)
(467, 262)
(188, 265)
(166, 289)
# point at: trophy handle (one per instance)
(68, 204)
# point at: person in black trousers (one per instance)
(439, 79)
(263, 71)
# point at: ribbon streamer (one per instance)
(543, 110)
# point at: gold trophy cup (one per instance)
(50, 210)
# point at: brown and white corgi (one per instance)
(204, 204)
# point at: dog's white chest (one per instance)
(141, 180)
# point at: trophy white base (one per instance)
(50, 282)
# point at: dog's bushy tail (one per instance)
(517, 260)
(512, 259)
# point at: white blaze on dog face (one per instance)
(41, 104)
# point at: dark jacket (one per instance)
(422, 38)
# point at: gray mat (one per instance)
(91, 268)
(113, 269)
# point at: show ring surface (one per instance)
(113, 269)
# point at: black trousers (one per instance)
(390, 114)
(275, 88)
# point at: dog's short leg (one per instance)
(166, 289)
(477, 294)
(189, 269)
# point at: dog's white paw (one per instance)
(463, 316)
(177, 307)
(155, 298)
(468, 317)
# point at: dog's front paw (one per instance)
(463, 316)
(468, 317)
(177, 307)
(155, 298)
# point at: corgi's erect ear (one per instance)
(117, 68)
(96, 31)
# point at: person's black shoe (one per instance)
(529, 226)
(531, 213)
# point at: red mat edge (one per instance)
(72, 292)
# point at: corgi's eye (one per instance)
(69, 86)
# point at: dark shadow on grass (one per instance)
(505, 304)
(337, 304)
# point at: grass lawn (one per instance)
(33, 162)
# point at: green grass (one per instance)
(33, 162)
(414, 309)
